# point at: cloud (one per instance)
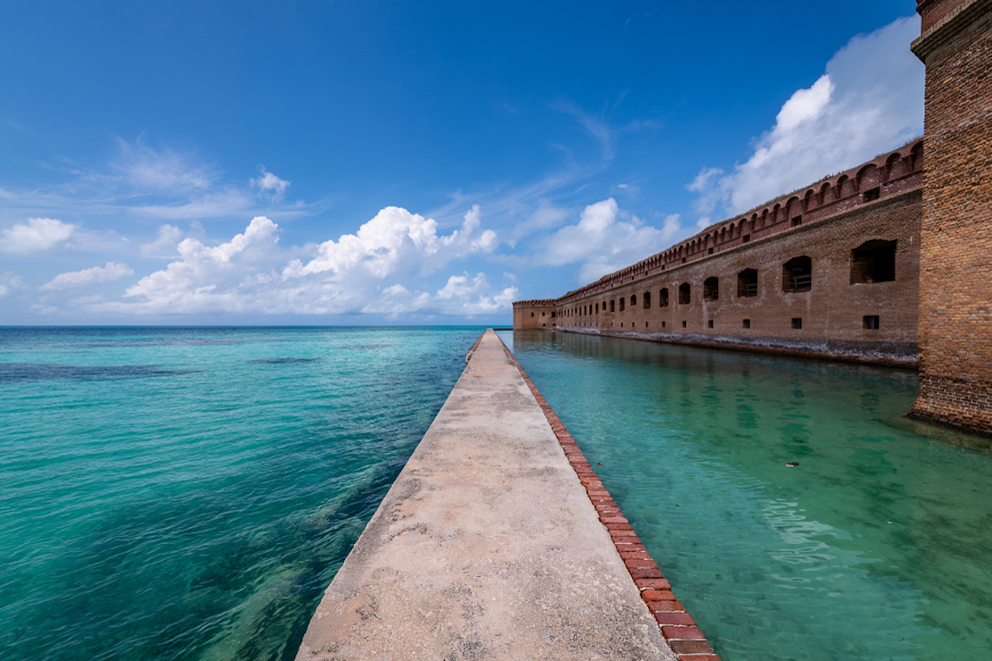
(599, 125)
(464, 295)
(461, 295)
(270, 184)
(9, 282)
(869, 100)
(605, 239)
(151, 170)
(145, 181)
(89, 276)
(377, 269)
(165, 243)
(35, 235)
(396, 240)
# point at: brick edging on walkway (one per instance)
(676, 625)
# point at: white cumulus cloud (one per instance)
(396, 240)
(869, 100)
(605, 239)
(35, 235)
(383, 268)
(270, 184)
(111, 271)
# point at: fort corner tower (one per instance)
(955, 322)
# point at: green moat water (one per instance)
(877, 545)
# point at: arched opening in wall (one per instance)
(597, 308)
(646, 298)
(613, 306)
(898, 167)
(621, 304)
(532, 314)
(873, 261)
(685, 292)
(917, 156)
(797, 274)
(633, 300)
(711, 289)
(747, 283)
(663, 298)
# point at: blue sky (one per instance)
(423, 162)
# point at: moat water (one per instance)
(189, 493)
(876, 544)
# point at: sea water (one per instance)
(188, 493)
(796, 512)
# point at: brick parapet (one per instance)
(676, 624)
(942, 20)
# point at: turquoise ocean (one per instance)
(188, 493)
(875, 545)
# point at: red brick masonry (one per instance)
(677, 626)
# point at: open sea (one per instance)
(875, 545)
(189, 493)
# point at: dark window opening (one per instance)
(871, 322)
(683, 260)
(597, 308)
(683, 324)
(647, 300)
(552, 314)
(663, 324)
(622, 304)
(711, 289)
(645, 324)
(542, 314)
(711, 323)
(797, 275)
(663, 298)
(797, 323)
(797, 221)
(613, 307)
(747, 283)
(747, 323)
(746, 238)
(872, 194)
(710, 252)
(532, 314)
(873, 261)
(633, 300)
(685, 293)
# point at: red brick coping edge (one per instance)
(677, 626)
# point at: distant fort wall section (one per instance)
(831, 270)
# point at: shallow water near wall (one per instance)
(876, 544)
(174, 493)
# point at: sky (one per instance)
(321, 162)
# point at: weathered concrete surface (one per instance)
(485, 547)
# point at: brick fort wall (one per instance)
(956, 281)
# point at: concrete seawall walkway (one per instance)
(487, 546)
